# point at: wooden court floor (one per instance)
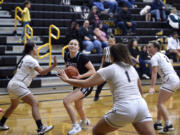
(53, 112)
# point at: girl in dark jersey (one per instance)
(74, 58)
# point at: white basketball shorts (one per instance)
(17, 90)
(132, 111)
(170, 83)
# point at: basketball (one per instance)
(71, 71)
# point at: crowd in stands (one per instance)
(94, 34)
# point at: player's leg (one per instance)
(8, 112)
(72, 97)
(162, 99)
(144, 128)
(80, 109)
(30, 99)
(102, 128)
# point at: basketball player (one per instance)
(74, 58)
(170, 83)
(106, 61)
(128, 106)
(27, 69)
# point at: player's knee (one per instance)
(159, 105)
(66, 102)
(35, 103)
(13, 106)
(78, 107)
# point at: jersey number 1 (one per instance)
(129, 80)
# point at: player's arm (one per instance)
(154, 77)
(95, 79)
(102, 62)
(24, 11)
(90, 71)
(42, 71)
(140, 87)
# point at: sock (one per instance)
(158, 121)
(85, 120)
(3, 121)
(75, 124)
(39, 124)
(167, 122)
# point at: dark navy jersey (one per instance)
(79, 61)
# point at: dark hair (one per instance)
(26, 2)
(28, 47)
(155, 44)
(120, 53)
(142, 47)
(174, 33)
(130, 44)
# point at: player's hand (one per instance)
(77, 77)
(151, 91)
(55, 62)
(61, 74)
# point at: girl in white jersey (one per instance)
(27, 69)
(128, 106)
(170, 83)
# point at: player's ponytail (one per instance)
(27, 49)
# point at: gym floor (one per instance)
(53, 112)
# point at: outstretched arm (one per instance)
(42, 71)
(95, 79)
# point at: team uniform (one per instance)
(79, 61)
(18, 85)
(128, 105)
(169, 77)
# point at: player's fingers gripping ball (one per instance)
(71, 71)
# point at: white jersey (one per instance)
(123, 80)
(25, 71)
(164, 65)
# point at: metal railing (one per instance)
(1, 2)
(17, 17)
(26, 35)
(63, 50)
(49, 44)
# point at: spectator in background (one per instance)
(95, 19)
(158, 9)
(135, 56)
(26, 17)
(145, 11)
(174, 19)
(106, 6)
(89, 40)
(101, 36)
(111, 4)
(99, 5)
(145, 58)
(73, 31)
(129, 3)
(106, 61)
(123, 19)
(173, 47)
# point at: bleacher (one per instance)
(47, 12)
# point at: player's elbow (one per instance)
(93, 71)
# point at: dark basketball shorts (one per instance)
(85, 91)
